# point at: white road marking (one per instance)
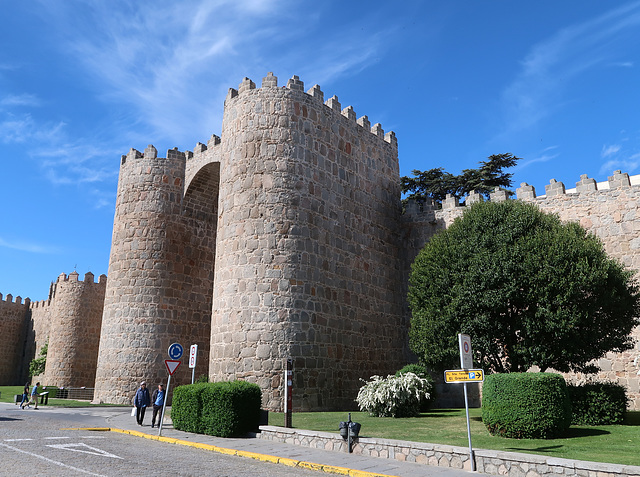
(17, 440)
(62, 437)
(52, 461)
(92, 437)
(74, 448)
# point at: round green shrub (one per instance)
(597, 404)
(526, 405)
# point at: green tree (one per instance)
(37, 365)
(529, 289)
(437, 183)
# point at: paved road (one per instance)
(33, 442)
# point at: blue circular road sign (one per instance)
(175, 351)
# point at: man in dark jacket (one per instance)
(158, 400)
(141, 401)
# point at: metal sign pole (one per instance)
(466, 362)
(288, 388)
(466, 406)
(164, 405)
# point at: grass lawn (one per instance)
(8, 392)
(613, 444)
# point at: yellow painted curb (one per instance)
(251, 455)
(85, 428)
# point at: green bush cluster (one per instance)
(597, 404)
(526, 405)
(224, 409)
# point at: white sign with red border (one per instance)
(193, 353)
(172, 365)
(466, 359)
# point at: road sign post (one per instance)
(172, 365)
(466, 362)
(193, 353)
(175, 351)
(464, 376)
(288, 392)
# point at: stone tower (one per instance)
(75, 331)
(160, 273)
(307, 257)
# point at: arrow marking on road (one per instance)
(75, 448)
(61, 464)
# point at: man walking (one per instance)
(141, 401)
(158, 401)
(34, 396)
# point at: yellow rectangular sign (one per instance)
(464, 376)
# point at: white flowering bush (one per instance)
(393, 396)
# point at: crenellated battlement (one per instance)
(88, 278)
(17, 301)
(151, 152)
(421, 211)
(295, 84)
(619, 180)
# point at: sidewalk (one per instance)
(286, 454)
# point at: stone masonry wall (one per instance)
(160, 274)
(38, 326)
(75, 331)
(12, 329)
(611, 211)
(308, 255)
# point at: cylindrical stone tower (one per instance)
(75, 331)
(160, 277)
(307, 259)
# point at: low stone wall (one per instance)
(487, 461)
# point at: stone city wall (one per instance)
(12, 335)
(38, 325)
(308, 254)
(611, 211)
(75, 331)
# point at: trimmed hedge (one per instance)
(526, 405)
(225, 409)
(597, 404)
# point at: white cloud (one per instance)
(23, 128)
(623, 64)
(61, 160)
(552, 64)
(27, 247)
(543, 156)
(20, 100)
(172, 63)
(629, 164)
(610, 150)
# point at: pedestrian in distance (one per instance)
(158, 400)
(141, 401)
(34, 396)
(25, 397)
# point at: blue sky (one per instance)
(555, 83)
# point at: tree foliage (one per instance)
(529, 290)
(37, 365)
(437, 183)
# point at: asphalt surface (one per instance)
(55, 441)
